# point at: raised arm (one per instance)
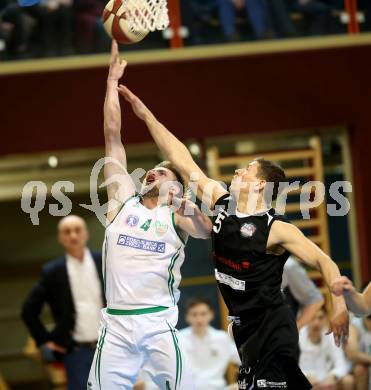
(175, 151)
(293, 240)
(119, 184)
(358, 303)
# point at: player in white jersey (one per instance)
(143, 251)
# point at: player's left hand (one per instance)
(117, 66)
(339, 326)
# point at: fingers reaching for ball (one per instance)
(114, 51)
(117, 66)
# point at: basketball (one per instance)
(121, 22)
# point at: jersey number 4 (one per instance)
(146, 225)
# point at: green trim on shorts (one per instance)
(99, 355)
(178, 354)
(133, 312)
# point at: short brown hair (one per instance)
(271, 172)
(169, 165)
(198, 301)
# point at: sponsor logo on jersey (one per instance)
(132, 220)
(230, 281)
(161, 228)
(263, 383)
(141, 244)
(248, 230)
(238, 266)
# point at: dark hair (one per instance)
(198, 301)
(271, 172)
(168, 165)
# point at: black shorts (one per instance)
(268, 343)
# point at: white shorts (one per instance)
(128, 342)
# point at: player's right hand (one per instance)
(117, 66)
(339, 326)
(342, 285)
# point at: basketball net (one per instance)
(146, 15)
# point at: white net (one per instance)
(146, 15)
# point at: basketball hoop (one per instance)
(130, 21)
(146, 15)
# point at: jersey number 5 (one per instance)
(218, 223)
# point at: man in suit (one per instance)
(72, 286)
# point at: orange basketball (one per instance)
(119, 22)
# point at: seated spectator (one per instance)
(12, 29)
(53, 32)
(90, 34)
(209, 351)
(268, 18)
(359, 351)
(59, 21)
(257, 13)
(317, 13)
(195, 15)
(321, 360)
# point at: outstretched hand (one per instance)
(117, 66)
(139, 108)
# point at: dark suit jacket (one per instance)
(54, 289)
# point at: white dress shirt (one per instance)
(320, 360)
(86, 295)
(209, 357)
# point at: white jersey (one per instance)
(142, 256)
(364, 335)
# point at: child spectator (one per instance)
(209, 351)
(359, 351)
(321, 360)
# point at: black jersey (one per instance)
(248, 277)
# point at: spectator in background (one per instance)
(209, 351)
(58, 21)
(301, 293)
(359, 351)
(257, 13)
(12, 29)
(90, 33)
(53, 27)
(321, 361)
(268, 18)
(73, 288)
(316, 12)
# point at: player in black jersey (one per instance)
(251, 243)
